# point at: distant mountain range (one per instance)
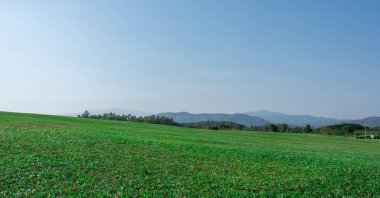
(296, 120)
(370, 121)
(184, 117)
(302, 120)
(259, 118)
(252, 118)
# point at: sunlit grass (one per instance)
(57, 156)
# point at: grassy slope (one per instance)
(42, 155)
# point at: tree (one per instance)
(296, 129)
(85, 114)
(273, 127)
(308, 129)
(284, 127)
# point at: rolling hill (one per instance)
(370, 121)
(54, 156)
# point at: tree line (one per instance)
(282, 128)
(154, 119)
(222, 125)
(215, 125)
(350, 130)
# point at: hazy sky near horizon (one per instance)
(297, 57)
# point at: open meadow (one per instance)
(44, 156)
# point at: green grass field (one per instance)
(60, 156)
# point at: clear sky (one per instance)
(297, 57)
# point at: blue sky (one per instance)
(298, 57)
